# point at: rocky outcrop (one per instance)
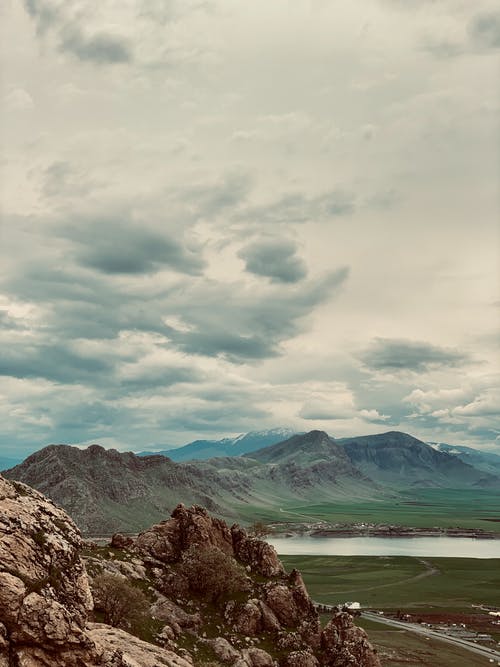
(45, 597)
(275, 609)
(345, 645)
(194, 526)
(46, 603)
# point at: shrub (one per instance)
(123, 605)
(212, 573)
(259, 529)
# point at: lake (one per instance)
(451, 547)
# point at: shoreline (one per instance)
(385, 531)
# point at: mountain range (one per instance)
(241, 444)
(486, 461)
(105, 490)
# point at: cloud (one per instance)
(485, 405)
(239, 323)
(18, 99)
(393, 355)
(299, 208)
(63, 20)
(374, 416)
(100, 48)
(484, 30)
(167, 11)
(61, 179)
(46, 14)
(124, 247)
(55, 363)
(275, 259)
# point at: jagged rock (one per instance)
(261, 556)
(256, 657)
(303, 659)
(224, 650)
(269, 621)
(166, 610)
(279, 598)
(300, 594)
(249, 618)
(345, 645)
(45, 596)
(167, 540)
(119, 541)
(132, 652)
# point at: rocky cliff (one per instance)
(260, 616)
(45, 598)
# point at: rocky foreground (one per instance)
(244, 611)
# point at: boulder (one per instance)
(119, 541)
(224, 650)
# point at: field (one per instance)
(425, 508)
(399, 648)
(400, 582)
(430, 588)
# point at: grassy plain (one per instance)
(400, 648)
(423, 508)
(415, 585)
(400, 582)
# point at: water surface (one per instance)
(451, 547)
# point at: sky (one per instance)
(221, 216)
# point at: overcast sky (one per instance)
(222, 215)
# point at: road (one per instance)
(422, 630)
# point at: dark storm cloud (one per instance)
(245, 325)
(55, 363)
(484, 30)
(298, 208)
(275, 259)
(101, 48)
(118, 246)
(161, 377)
(398, 355)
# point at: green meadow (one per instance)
(401, 648)
(423, 508)
(416, 585)
(392, 582)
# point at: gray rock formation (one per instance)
(45, 597)
(46, 601)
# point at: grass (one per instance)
(423, 508)
(391, 581)
(400, 648)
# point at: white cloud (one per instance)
(18, 99)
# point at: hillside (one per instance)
(105, 490)
(485, 461)
(403, 461)
(246, 611)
